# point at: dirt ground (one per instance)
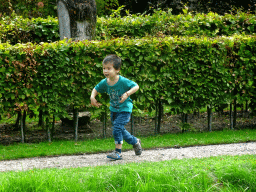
(142, 127)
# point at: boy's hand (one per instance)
(124, 97)
(95, 103)
(128, 93)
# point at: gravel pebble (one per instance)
(128, 157)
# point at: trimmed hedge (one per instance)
(186, 73)
(19, 30)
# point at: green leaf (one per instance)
(169, 100)
(2, 69)
(12, 96)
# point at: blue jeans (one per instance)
(119, 120)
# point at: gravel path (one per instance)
(128, 156)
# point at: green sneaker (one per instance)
(137, 147)
(114, 155)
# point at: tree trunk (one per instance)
(242, 109)
(104, 123)
(75, 122)
(209, 112)
(24, 120)
(48, 129)
(40, 122)
(231, 116)
(160, 114)
(22, 123)
(17, 123)
(53, 125)
(235, 114)
(182, 122)
(77, 22)
(246, 106)
(184, 119)
(156, 117)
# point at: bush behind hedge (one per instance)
(18, 30)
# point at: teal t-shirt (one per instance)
(115, 92)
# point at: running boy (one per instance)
(119, 90)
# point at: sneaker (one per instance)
(137, 147)
(114, 155)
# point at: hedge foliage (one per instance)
(19, 30)
(184, 72)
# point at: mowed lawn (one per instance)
(222, 173)
(26, 150)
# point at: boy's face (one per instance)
(109, 71)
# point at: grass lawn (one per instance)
(103, 145)
(222, 173)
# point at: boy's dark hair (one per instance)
(117, 62)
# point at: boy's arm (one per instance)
(128, 93)
(94, 102)
(132, 90)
